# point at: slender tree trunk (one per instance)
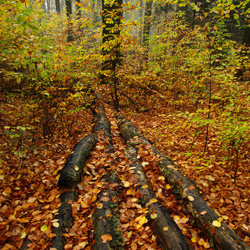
(69, 15)
(146, 27)
(58, 9)
(111, 44)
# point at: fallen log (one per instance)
(63, 219)
(221, 236)
(107, 233)
(168, 233)
(72, 171)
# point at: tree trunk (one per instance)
(69, 16)
(65, 219)
(146, 27)
(72, 171)
(106, 216)
(111, 44)
(58, 7)
(185, 189)
(172, 238)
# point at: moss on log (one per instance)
(71, 173)
(222, 237)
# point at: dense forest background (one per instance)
(180, 70)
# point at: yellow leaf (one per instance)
(144, 164)
(165, 229)
(134, 199)
(193, 239)
(44, 228)
(31, 199)
(140, 220)
(161, 178)
(216, 223)
(76, 168)
(168, 186)
(94, 198)
(56, 224)
(126, 183)
(129, 234)
(83, 244)
(144, 186)
(153, 216)
(153, 201)
(23, 235)
(84, 204)
(191, 198)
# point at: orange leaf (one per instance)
(7, 191)
(106, 199)
(106, 237)
(133, 246)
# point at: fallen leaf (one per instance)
(144, 164)
(105, 199)
(76, 168)
(190, 198)
(126, 183)
(144, 186)
(161, 178)
(203, 212)
(153, 216)
(216, 223)
(44, 228)
(23, 235)
(153, 201)
(56, 224)
(165, 229)
(106, 237)
(133, 245)
(192, 187)
(7, 191)
(100, 206)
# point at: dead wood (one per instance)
(64, 219)
(222, 237)
(71, 173)
(107, 233)
(168, 233)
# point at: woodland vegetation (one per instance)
(179, 70)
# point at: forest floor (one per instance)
(29, 197)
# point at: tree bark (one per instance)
(185, 190)
(146, 27)
(106, 216)
(69, 16)
(65, 219)
(172, 238)
(58, 8)
(71, 173)
(111, 21)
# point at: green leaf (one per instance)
(44, 228)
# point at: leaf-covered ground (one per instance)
(29, 197)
